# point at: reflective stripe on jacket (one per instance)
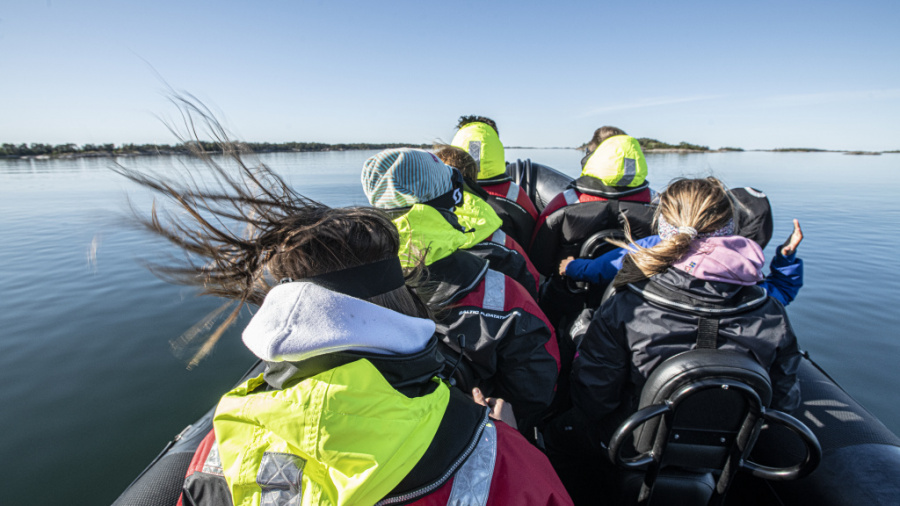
(513, 207)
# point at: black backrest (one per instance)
(708, 403)
(540, 182)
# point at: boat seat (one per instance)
(699, 416)
(540, 183)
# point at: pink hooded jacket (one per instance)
(731, 259)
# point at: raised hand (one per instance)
(790, 246)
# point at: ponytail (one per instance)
(688, 209)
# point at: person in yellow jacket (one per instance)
(497, 336)
(351, 408)
(478, 136)
(490, 238)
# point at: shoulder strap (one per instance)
(707, 333)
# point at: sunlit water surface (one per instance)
(92, 389)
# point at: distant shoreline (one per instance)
(70, 151)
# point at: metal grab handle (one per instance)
(634, 421)
(809, 464)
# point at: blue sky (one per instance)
(751, 74)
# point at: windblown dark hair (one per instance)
(247, 228)
(465, 120)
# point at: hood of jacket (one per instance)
(482, 142)
(425, 232)
(301, 320)
(618, 161)
(698, 295)
(729, 259)
(344, 436)
(478, 218)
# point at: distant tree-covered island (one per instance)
(799, 150)
(87, 150)
(652, 145)
(71, 150)
(655, 145)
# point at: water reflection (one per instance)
(86, 329)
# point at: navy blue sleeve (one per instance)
(606, 266)
(785, 277)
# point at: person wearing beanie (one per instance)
(478, 136)
(699, 276)
(461, 207)
(493, 334)
(490, 237)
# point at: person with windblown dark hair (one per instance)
(351, 408)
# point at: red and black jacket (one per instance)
(506, 255)
(512, 206)
(507, 346)
(585, 208)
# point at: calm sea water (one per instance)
(92, 390)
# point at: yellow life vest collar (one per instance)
(349, 435)
(617, 161)
(477, 215)
(482, 142)
(425, 232)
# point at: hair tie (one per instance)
(667, 230)
(691, 231)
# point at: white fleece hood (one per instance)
(302, 320)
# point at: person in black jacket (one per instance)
(700, 273)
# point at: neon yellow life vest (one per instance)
(345, 436)
(424, 232)
(482, 142)
(475, 213)
(617, 161)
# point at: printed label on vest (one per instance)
(630, 172)
(475, 152)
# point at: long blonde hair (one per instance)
(700, 204)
